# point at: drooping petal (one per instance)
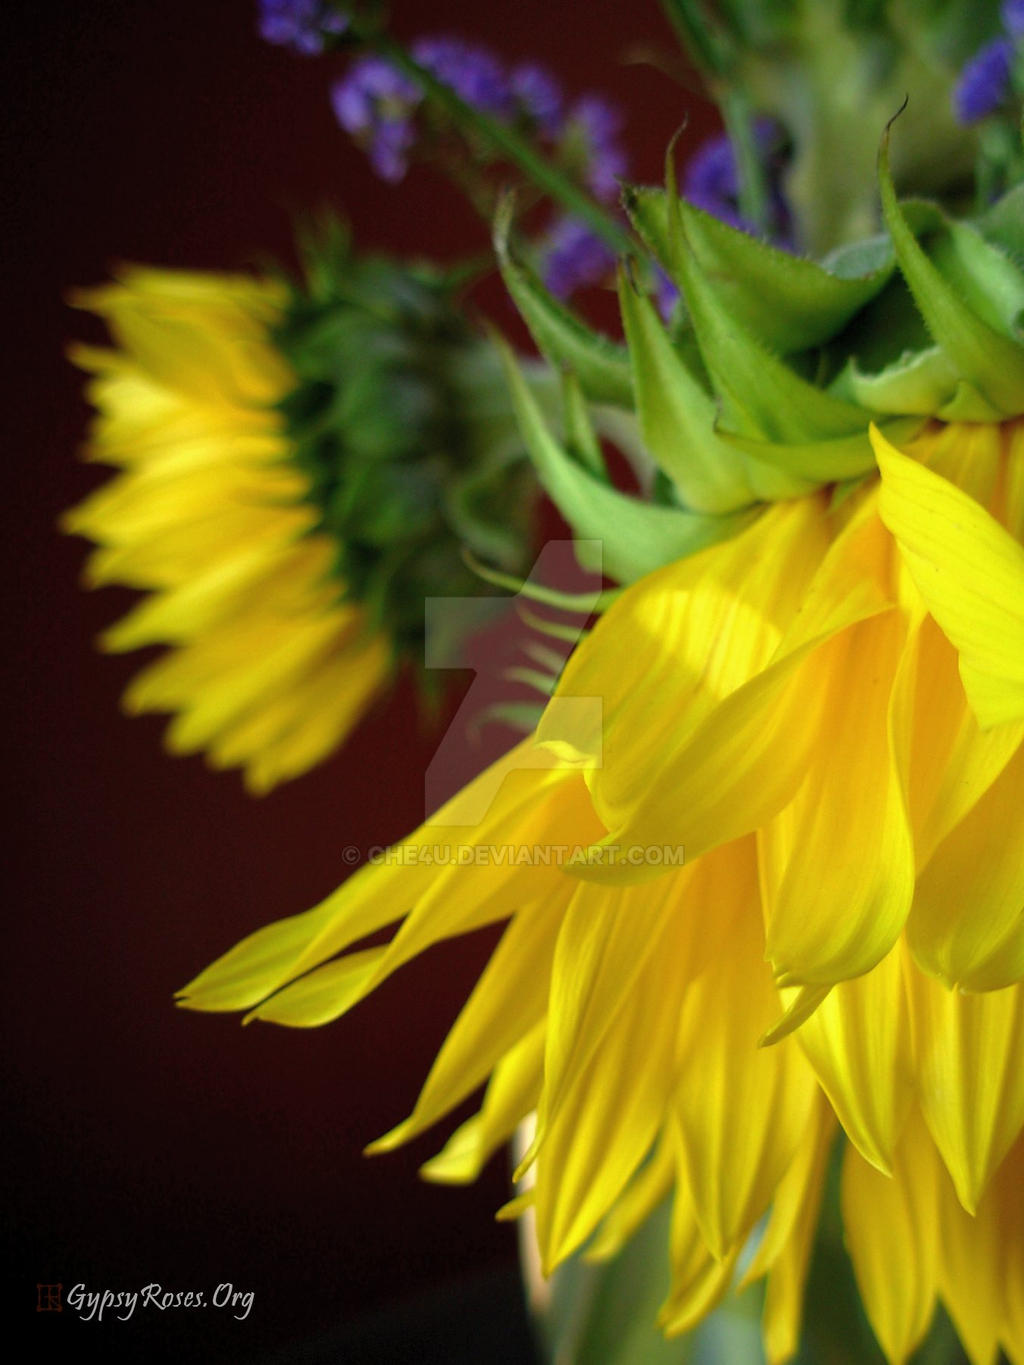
(509, 1000)
(613, 1093)
(970, 572)
(834, 913)
(378, 895)
(892, 1230)
(784, 1251)
(511, 1095)
(859, 1043)
(699, 1280)
(742, 1110)
(969, 1078)
(967, 923)
(948, 761)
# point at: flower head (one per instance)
(299, 470)
(269, 666)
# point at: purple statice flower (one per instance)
(574, 256)
(472, 72)
(1012, 15)
(712, 173)
(711, 181)
(301, 25)
(376, 104)
(597, 124)
(539, 96)
(984, 82)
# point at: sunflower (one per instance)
(812, 682)
(299, 467)
(829, 718)
(269, 667)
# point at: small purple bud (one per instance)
(575, 257)
(473, 73)
(984, 82)
(375, 103)
(539, 96)
(299, 24)
(599, 124)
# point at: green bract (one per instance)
(767, 381)
(401, 420)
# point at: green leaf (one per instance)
(789, 302)
(636, 537)
(990, 362)
(601, 366)
(676, 414)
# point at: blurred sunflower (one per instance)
(299, 467)
(270, 666)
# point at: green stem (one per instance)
(503, 139)
(753, 187)
(706, 48)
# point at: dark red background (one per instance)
(147, 1144)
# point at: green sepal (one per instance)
(922, 383)
(555, 630)
(580, 437)
(789, 302)
(762, 396)
(534, 678)
(991, 362)
(844, 457)
(674, 414)
(523, 716)
(636, 537)
(583, 603)
(489, 509)
(601, 366)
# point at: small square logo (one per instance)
(48, 1298)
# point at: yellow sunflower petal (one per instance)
(742, 1110)
(892, 1231)
(967, 923)
(970, 572)
(508, 1001)
(969, 1077)
(609, 1109)
(785, 1250)
(835, 912)
(511, 1095)
(859, 1043)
